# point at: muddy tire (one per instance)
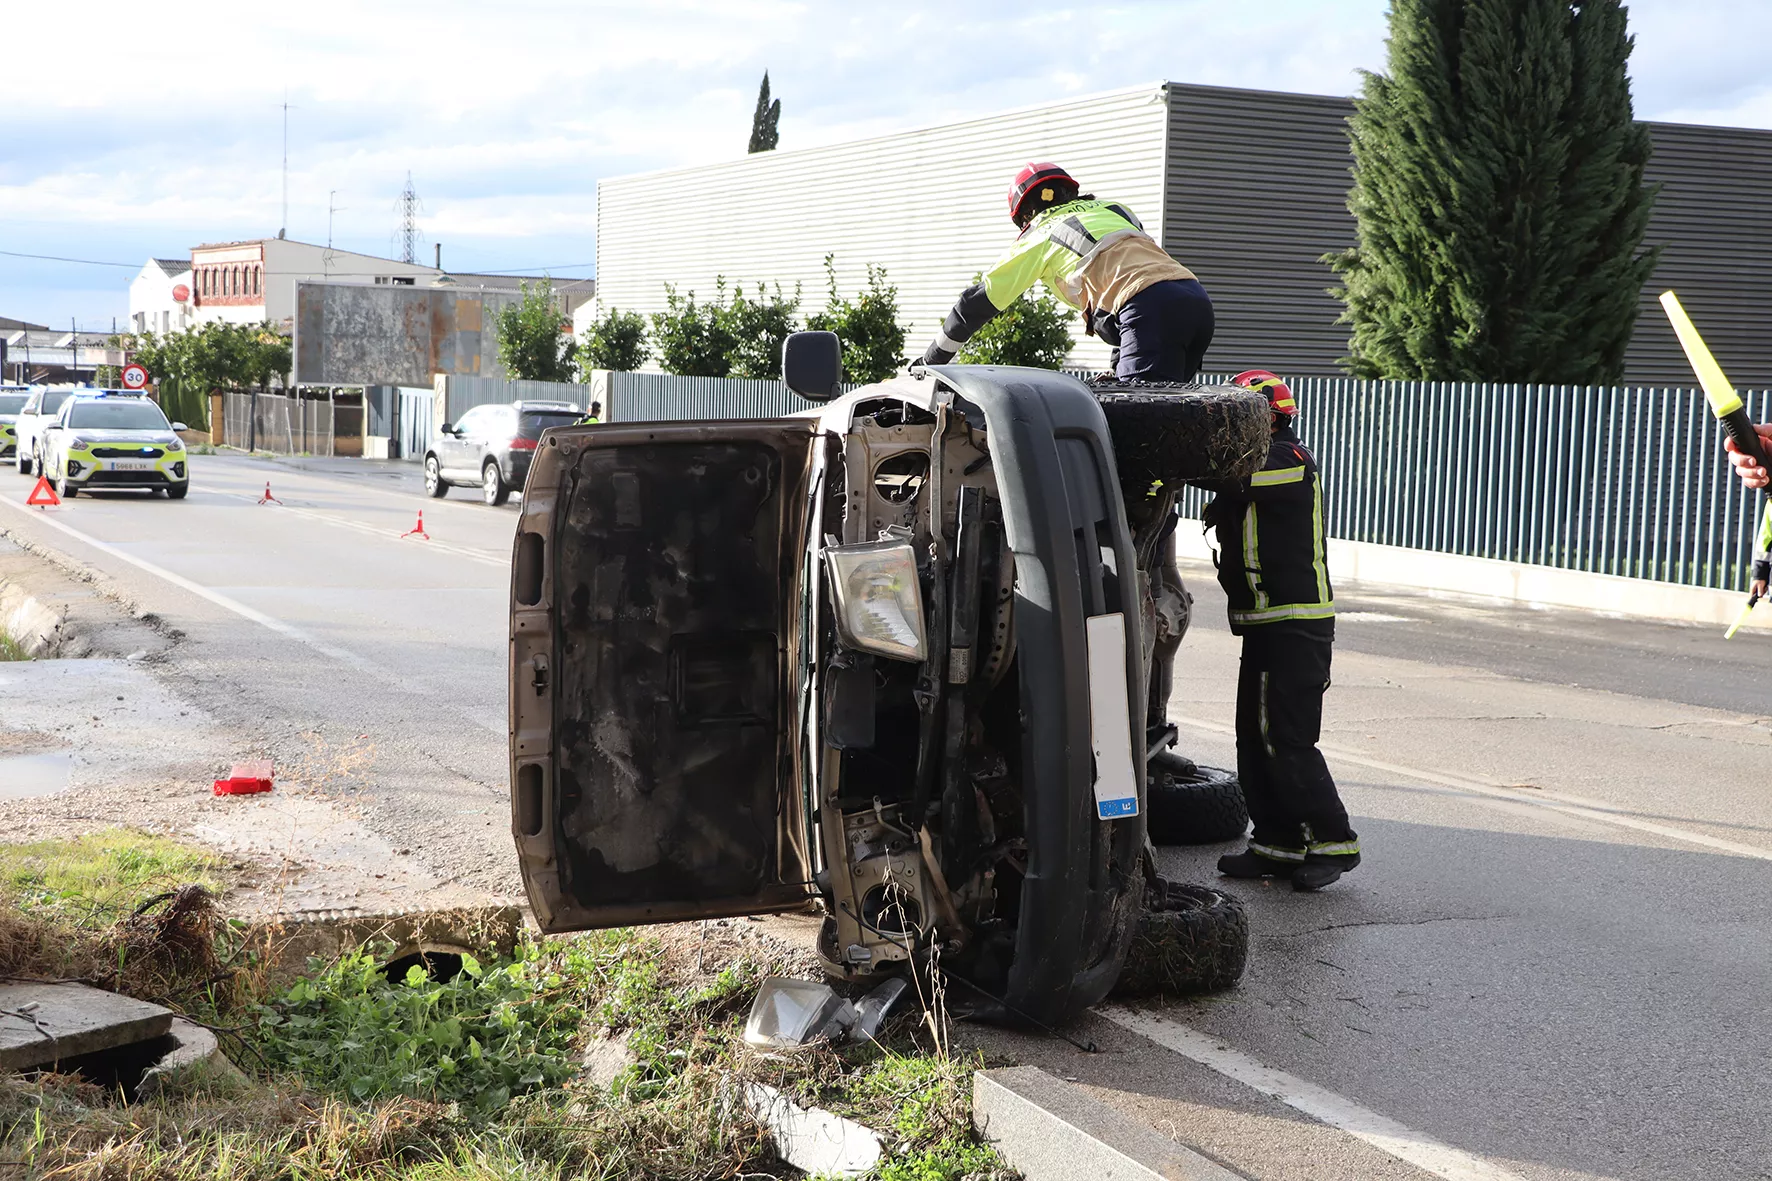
(1193, 805)
(1176, 433)
(1190, 939)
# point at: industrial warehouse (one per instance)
(1247, 188)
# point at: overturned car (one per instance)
(903, 658)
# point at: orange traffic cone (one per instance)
(43, 495)
(418, 529)
(267, 498)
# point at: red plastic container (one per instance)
(245, 779)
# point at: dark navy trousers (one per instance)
(1164, 331)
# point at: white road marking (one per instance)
(1595, 810)
(1381, 1132)
(281, 627)
(503, 563)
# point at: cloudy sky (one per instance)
(167, 129)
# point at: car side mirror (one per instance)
(812, 364)
(446, 429)
(179, 426)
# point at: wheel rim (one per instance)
(489, 483)
(431, 475)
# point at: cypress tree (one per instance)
(1498, 194)
(764, 136)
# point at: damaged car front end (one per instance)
(888, 659)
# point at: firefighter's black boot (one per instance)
(1319, 870)
(1250, 864)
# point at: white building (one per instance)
(160, 296)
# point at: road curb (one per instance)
(37, 626)
(1051, 1130)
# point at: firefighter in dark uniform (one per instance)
(1096, 256)
(1272, 566)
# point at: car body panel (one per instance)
(642, 612)
(132, 457)
(45, 403)
(654, 689)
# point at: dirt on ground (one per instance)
(96, 734)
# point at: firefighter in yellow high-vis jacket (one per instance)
(1096, 256)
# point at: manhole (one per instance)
(441, 966)
(23, 777)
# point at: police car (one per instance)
(12, 400)
(114, 439)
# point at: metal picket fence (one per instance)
(1609, 480)
(280, 423)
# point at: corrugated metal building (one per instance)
(1248, 188)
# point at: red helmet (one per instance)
(1029, 180)
(1279, 394)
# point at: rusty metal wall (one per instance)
(354, 334)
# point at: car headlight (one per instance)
(879, 600)
(79, 444)
(177, 444)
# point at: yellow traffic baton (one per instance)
(1725, 403)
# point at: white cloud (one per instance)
(506, 115)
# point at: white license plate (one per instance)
(131, 465)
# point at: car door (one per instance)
(493, 428)
(452, 447)
(655, 690)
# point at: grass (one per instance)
(11, 649)
(361, 1078)
(94, 880)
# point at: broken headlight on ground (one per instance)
(878, 599)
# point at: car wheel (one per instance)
(435, 484)
(66, 488)
(493, 489)
(1187, 804)
(178, 491)
(23, 460)
(1186, 433)
(1189, 939)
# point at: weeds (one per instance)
(94, 880)
(476, 1079)
(477, 1040)
(11, 648)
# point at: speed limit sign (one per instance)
(134, 377)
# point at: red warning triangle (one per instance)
(43, 494)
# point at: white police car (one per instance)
(110, 439)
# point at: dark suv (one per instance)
(491, 447)
(901, 659)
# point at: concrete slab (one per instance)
(195, 1058)
(41, 1024)
(1050, 1130)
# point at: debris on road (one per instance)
(812, 1139)
(246, 779)
(1189, 939)
(789, 1013)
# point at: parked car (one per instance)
(897, 659)
(491, 447)
(39, 410)
(12, 400)
(114, 439)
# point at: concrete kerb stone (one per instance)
(1051, 1130)
(1517, 582)
(36, 626)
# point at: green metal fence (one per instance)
(1611, 480)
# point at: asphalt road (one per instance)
(1553, 964)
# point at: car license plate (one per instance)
(131, 465)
